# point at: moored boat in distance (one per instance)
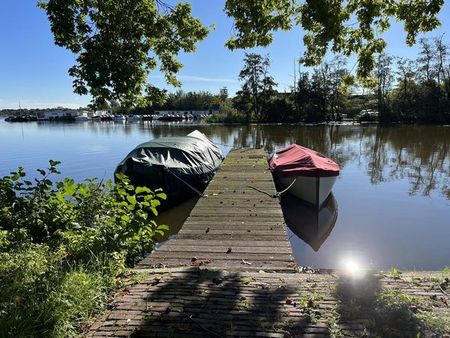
(181, 165)
(304, 173)
(119, 118)
(21, 118)
(133, 118)
(82, 117)
(106, 117)
(170, 117)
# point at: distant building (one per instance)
(55, 115)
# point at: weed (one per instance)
(247, 280)
(416, 280)
(333, 323)
(394, 273)
(309, 304)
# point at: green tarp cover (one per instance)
(191, 154)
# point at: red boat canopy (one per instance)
(296, 160)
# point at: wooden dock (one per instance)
(229, 273)
(234, 227)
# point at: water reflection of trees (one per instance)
(419, 154)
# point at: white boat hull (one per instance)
(82, 118)
(313, 190)
(133, 118)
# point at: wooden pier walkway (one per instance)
(235, 227)
(229, 273)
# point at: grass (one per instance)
(309, 304)
(394, 315)
(41, 297)
(388, 312)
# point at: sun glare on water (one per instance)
(352, 267)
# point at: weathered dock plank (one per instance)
(234, 223)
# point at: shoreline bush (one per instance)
(64, 246)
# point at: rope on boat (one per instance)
(290, 185)
(277, 193)
(264, 192)
(190, 186)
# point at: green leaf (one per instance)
(163, 227)
(161, 196)
(142, 190)
(154, 211)
(54, 163)
(131, 199)
(155, 203)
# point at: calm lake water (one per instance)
(392, 199)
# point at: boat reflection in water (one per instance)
(175, 217)
(311, 225)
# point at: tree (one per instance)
(385, 79)
(405, 72)
(189, 101)
(335, 79)
(406, 86)
(321, 98)
(303, 94)
(426, 58)
(329, 25)
(258, 84)
(223, 94)
(117, 44)
(441, 58)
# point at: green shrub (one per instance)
(89, 217)
(63, 247)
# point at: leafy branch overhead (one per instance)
(345, 27)
(118, 43)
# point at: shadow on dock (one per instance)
(199, 303)
(212, 303)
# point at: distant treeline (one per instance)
(34, 111)
(181, 101)
(401, 90)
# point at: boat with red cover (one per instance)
(305, 173)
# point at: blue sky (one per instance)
(33, 71)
